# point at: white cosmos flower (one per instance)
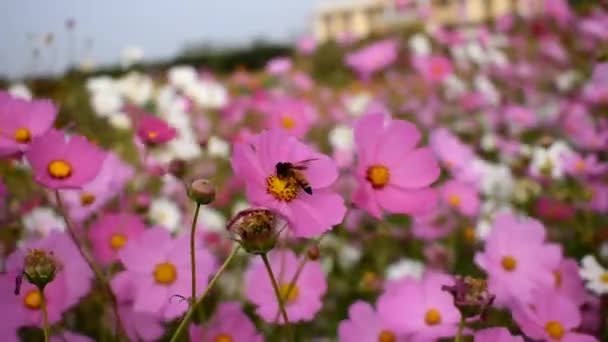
(341, 137)
(136, 87)
(120, 121)
(131, 55)
(595, 275)
(106, 103)
(356, 104)
(166, 213)
(549, 162)
(405, 268)
(20, 90)
(211, 219)
(182, 76)
(207, 94)
(217, 147)
(419, 44)
(41, 221)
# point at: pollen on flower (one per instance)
(165, 273)
(223, 338)
(604, 278)
(152, 134)
(33, 300)
(432, 317)
(283, 189)
(59, 169)
(386, 336)
(287, 122)
(454, 200)
(87, 198)
(580, 166)
(508, 263)
(555, 329)
(117, 241)
(378, 176)
(557, 278)
(23, 135)
(292, 295)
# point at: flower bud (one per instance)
(40, 267)
(471, 295)
(255, 230)
(313, 252)
(202, 191)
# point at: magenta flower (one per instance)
(433, 226)
(61, 162)
(461, 197)
(159, 267)
(453, 153)
(302, 302)
(568, 282)
(364, 324)
(278, 66)
(229, 323)
(552, 317)
(309, 211)
(154, 131)
(373, 58)
(420, 309)
(517, 259)
(396, 180)
(496, 335)
(21, 121)
(291, 115)
(579, 166)
(112, 232)
(434, 69)
(110, 181)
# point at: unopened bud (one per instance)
(202, 191)
(40, 267)
(255, 230)
(313, 252)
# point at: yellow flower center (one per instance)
(87, 198)
(555, 329)
(432, 317)
(118, 241)
(287, 122)
(293, 294)
(165, 273)
(283, 189)
(469, 234)
(23, 135)
(557, 277)
(454, 200)
(579, 166)
(378, 176)
(33, 300)
(508, 263)
(152, 134)
(59, 169)
(223, 338)
(604, 278)
(387, 336)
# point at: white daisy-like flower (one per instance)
(419, 44)
(218, 147)
(595, 275)
(182, 76)
(136, 87)
(211, 219)
(341, 137)
(356, 104)
(404, 268)
(41, 221)
(548, 162)
(166, 213)
(120, 121)
(20, 90)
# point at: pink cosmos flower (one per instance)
(519, 117)
(302, 302)
(138, 325)
(307, 45)
(452, 152)
(460, 196)
(229, 323)
(433, 226)
(159, 267)
(278, 66)
(364, 324)
(578, 166)
(434, 69)
(420, 309)
(154, 131)
(308, 214)
(599, 197)
(568, 282)
(61, 162)
(21, 121)
(394, 179)
(373, 58)
(112, 232)
(291, 115)
(112, 177)
(552, 317)
(517, 259)
(496, 335)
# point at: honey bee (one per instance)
(286, 170)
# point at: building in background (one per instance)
(359, 18)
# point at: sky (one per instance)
(161, 28)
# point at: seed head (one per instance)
(255, 230)
(40, 267)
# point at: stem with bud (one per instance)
(277, 293)
(192, 253)
(45, 315)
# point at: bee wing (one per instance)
(301, 165)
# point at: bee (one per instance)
(286, 170)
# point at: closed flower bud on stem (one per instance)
(202, 191)
(470, 294)
(255, 230)
(40, 267)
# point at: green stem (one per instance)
(92, 265)
(277, 293)
(184, 323)
(45, 316)
(192, 254)
(459, 331)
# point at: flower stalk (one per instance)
(277, 293)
